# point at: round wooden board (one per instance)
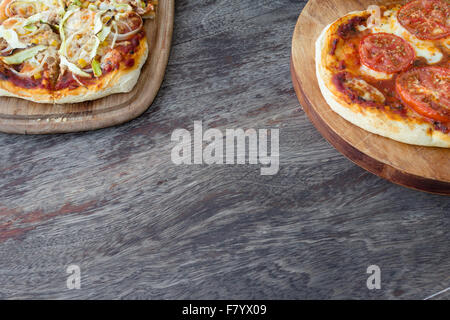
(25, 117)
(421, 168)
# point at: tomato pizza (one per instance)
(387, 70)
(65, 51)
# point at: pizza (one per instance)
(387, 70)
(66, 51)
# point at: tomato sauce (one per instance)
(348, 29)
(23, 82)
(132, 44)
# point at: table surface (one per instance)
(138, 226)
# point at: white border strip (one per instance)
(438, 293)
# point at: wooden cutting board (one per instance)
(24, 117)
(422, 168)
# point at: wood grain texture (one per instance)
(26, 117)
(112, 202)
(422, 168)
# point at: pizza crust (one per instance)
(39, 95)
(119, 81)
(36, 97)
(371, 119)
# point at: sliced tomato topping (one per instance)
(426, 19)
(385, 52)
(427, 91)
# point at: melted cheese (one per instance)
(447, 43)
(367, 91)
(375, 74)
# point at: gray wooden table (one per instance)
(138, 226)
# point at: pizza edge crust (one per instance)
(35, 95)
(372, 120)
(119, 81)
